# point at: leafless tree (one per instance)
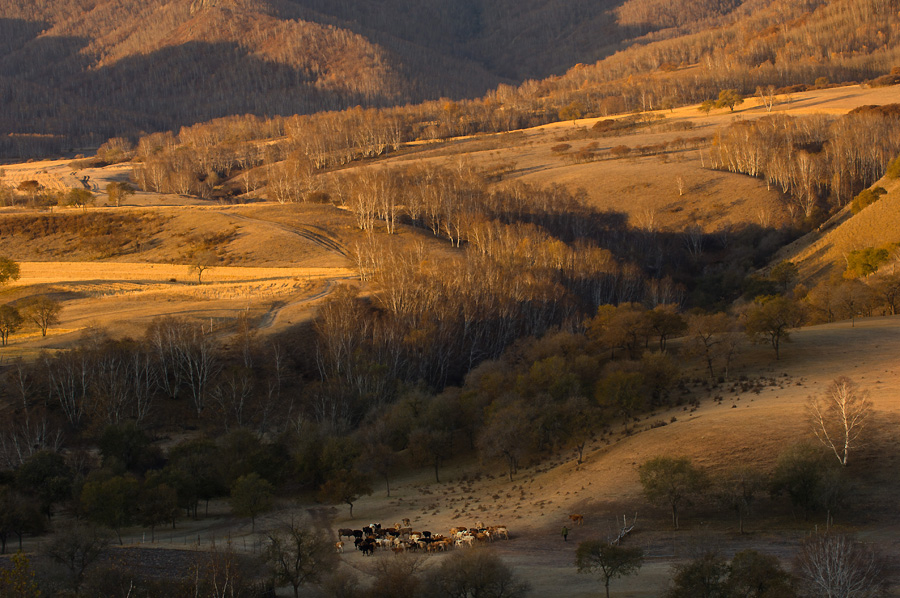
(835, 566)
(839, 415)
(767, 95)
(23, 436)
(43, 311)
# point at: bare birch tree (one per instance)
(839, 415)
(838, 566)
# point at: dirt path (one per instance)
(315, 234)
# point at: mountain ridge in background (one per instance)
(74, 73)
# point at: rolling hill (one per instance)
(77, 72)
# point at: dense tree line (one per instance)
(819, 163)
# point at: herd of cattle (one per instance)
(401, 537)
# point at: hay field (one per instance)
(124, 297)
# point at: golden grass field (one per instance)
(278, 274)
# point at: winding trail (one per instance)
(278, 311)
(314, 234)
(319, 237)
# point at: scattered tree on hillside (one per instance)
(866, 197)
(251, 495)
(469, 573)
(767, 95)
(611, 561)
(345, 486)
(43, 311)
(705, 576)
(115, 150)
(31, 188)
(508, 434)
(431, 446)
(865, 262)
(623, 392)
(79, 198)
(297, 555)
(729, 98)
(887, 289)
(665, 322)
(736, 489)
(714, 337)
(839, 416)
(9, 270)
(404, 571)
(119, 192)
(572, 111)
(770, 319)
(45, 477)
(784, 274)
(77, 547)
(753, 574)
(10, 321)
(112, 502)
(201, 262)
(18, 515)
(158, 504)
(706, 106)
(581, 418)
(810, 481)
(672, 481)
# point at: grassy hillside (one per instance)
(823, 254)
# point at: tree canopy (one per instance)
(9, 270)
(671, 481)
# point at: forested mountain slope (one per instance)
(76, 72)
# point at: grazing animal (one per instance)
(339, 547)
(577, 519)
(466, 539)
(406, 523)
(358, 534)
(345, 532)
(367, 547)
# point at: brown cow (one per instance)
(577, 519)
